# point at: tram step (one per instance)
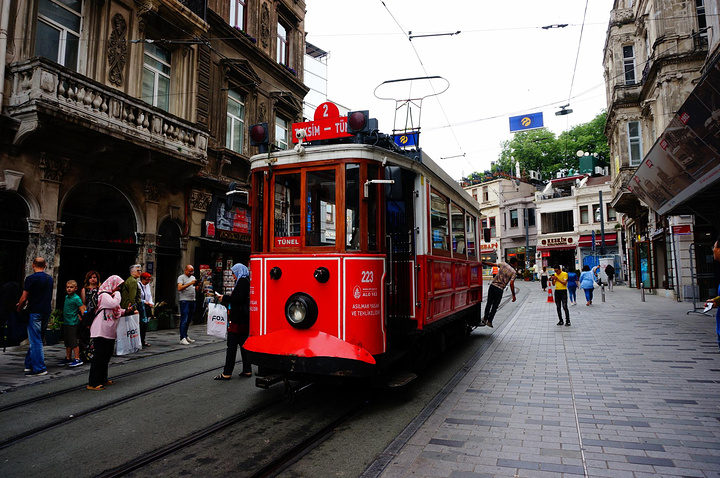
(400, 379)
(268, 380)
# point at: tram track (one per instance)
(269, 453)
(53, 424)
(58, 393)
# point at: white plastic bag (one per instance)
(217, 322)
(128, 335)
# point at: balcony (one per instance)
(44, 92)
(624, 200)
(622, 93)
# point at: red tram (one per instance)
(364, 254)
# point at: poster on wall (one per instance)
(235, 219)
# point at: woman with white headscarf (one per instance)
(238, 305)
(104, 331)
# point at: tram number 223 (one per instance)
(366, 276)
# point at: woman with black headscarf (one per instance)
(238, 305)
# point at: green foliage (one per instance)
(56, 320)
(540, 149)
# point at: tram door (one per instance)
(400, 243)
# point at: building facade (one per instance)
(125, 123)
(574, 217)
(655, 53)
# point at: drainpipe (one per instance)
(4, 21)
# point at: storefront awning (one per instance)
(681, 173)
(555, 248)
(586, 241)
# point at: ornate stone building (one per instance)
(124, 123)
(655, 53)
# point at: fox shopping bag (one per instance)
(217, 320)
(128, 335)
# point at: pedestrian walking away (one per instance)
(715, 302)
(73, 309)
(37, 294)
(587, 283)
(186, 286)
(610, 273)
(238, 304)
(104, 331)
(506, 275)
(544, 278)
(560, 281)
(572, 287)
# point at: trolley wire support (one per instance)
(408, 95)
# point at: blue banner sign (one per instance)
(407, 140)
(525, 122)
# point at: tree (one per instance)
(540, 150)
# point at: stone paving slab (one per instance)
(631, 389)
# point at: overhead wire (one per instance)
(577, 55)
(422, 65)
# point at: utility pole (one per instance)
(602, 226)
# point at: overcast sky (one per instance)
(503, 63)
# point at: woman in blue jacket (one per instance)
(587, 283)
(716, 300)
(572, 287)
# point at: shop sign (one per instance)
(233, 236)
(683, 230)
(209, 228)
(557, 241)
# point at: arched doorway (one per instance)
(98, 234)
(13, 237)
(168, 262)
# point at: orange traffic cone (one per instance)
(550, 294)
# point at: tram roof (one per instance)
(329, 152)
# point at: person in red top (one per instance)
(506, 275)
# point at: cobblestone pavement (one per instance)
(631, 389)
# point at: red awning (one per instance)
(555, 248)
(586, 241)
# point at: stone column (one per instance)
(45, 236)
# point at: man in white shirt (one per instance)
(186, 285)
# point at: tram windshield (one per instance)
(320, 208)
(310, 208)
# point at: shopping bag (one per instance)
(128, 335)
(217, 320)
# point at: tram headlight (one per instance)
(301, 310)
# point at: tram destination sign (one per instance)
(327, 124)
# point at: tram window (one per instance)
(258, 208)
(320, 207)
(372, 210)
(470, 227)
(458, 229)
(352, 206)
(439, 221)
(287, 205)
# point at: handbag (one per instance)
(128, 335)
(595, 285)
(217, 320)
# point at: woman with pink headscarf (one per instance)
(104, 331)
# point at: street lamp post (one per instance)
(602, 226)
